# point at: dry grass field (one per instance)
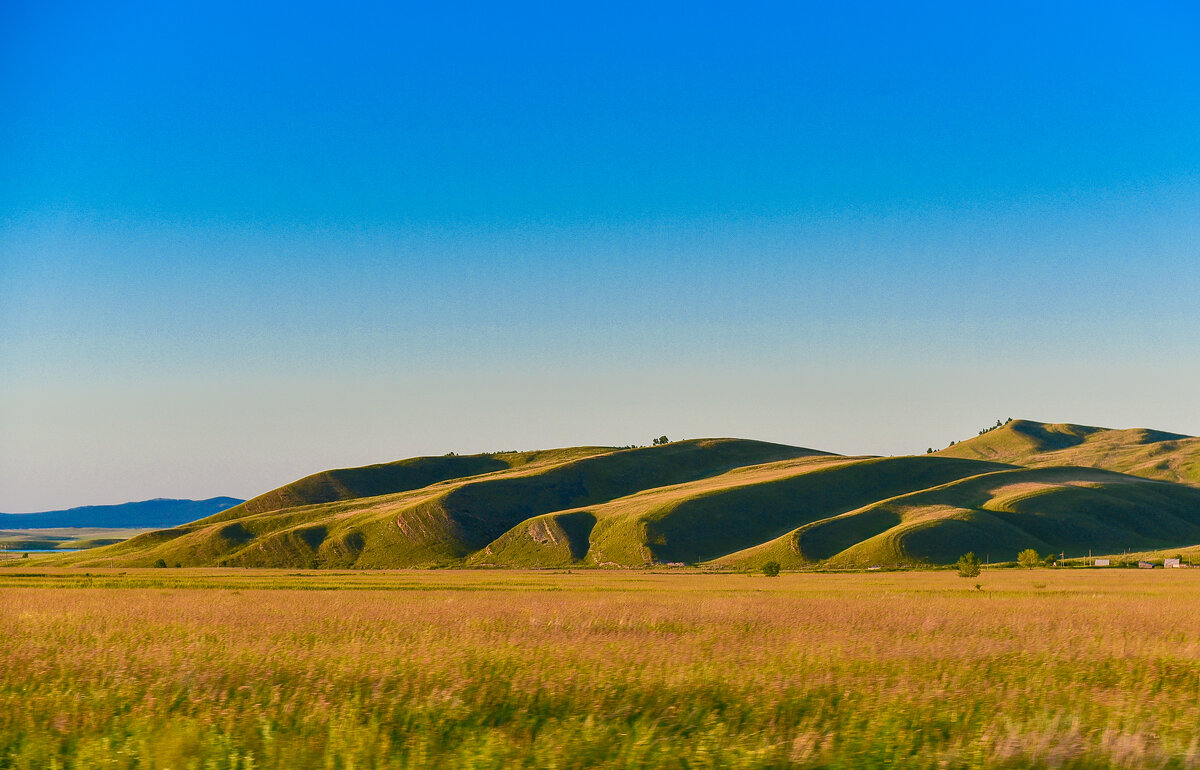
(264, 669)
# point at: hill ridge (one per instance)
(724, 502)
(1137, 451)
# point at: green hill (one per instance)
(439, 523)
(706, 519)
(997, 514)
(725, 502)
(389, 478)
(1137, 451)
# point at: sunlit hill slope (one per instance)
(1153, 454)
(728, 502)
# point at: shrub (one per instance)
(771, 569)
(160, 563)
(968, 565)
(1028, 558)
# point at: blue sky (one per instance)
(240, 243)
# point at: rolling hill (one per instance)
(725, 502)
(997, 514)
(1151, 454)
(441, 522)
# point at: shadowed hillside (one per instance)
(389, 478)
(1137, 451)
(443, 521)
(727, 502)
(996, 515)
(705, 519)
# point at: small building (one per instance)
(1174, 563)
(1103, 562)
(1145, 565)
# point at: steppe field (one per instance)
(236, 668)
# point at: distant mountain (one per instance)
(147, 514)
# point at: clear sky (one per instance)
(243, 242)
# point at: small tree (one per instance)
(160, 563)
(771, 569)
(968, 565)
(661, 441)
(1028, 558)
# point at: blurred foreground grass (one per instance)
(246, 669)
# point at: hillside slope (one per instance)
(438, 523)
(726, 502)
(390, 478)
(1052, 510)
(706, 519)
(1151, 454)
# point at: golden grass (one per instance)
(241, 669)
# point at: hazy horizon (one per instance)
(242, 245)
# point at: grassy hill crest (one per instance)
(1152, 454)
